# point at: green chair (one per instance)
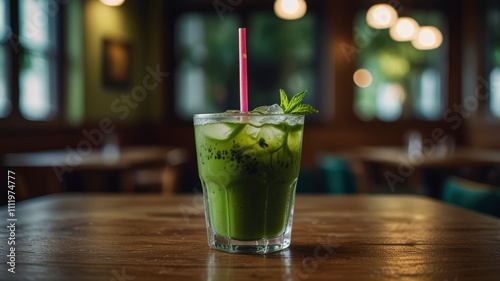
(309, 181)
(472, 195)
(336, 174)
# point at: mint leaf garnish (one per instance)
(304, 109)
(295, 105)
(295, 101)
(284, 100)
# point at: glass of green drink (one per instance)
(249, 164)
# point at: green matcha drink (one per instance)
(248, 165)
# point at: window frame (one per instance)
(409, 110)
(15, 121)
(338, 119)
(405, 9)
(488, 66)
(175, 9)
(451, 69)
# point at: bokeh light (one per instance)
(290, 9)
(429, 37)
(405, 29)
(112, 2)
(381, 16)
(362, 78)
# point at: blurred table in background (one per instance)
(131, 167)
(399, 165)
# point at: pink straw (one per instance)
(242, 32)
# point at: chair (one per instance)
(472, 195)
(164, 178)
(337, 175)
(309, 181)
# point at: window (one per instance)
(281, 54)
(495, 91)
(404, 82)
(207, 62)
(493, 56)
(5, 106)
(34, 45)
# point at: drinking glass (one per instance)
(248, 166)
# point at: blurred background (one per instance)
(99, 95)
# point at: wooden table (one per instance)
(145, 237)
(433, 166)
(460, 157)
(55, 167)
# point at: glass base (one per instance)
(261, 246)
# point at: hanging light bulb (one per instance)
(290, 9)
(381, 16)
(362, 78)
(112, 2)
(405, 29)
(429, 37)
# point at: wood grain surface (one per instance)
(147, 237)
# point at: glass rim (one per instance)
(231, 114)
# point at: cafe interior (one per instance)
(99, 96)
(102, 150)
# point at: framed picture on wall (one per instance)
(116, 64)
